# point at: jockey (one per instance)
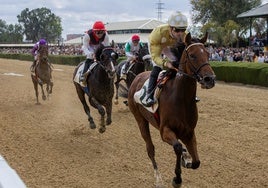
(35, 51)
(132, 48)
(91, 41)
(161, 39)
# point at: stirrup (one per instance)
(123, 76)
(149, 102)
(82, 78)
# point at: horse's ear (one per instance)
(112, 44)
(204, 39)
(188, 39)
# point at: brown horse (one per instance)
(177, 115)
(43, 73)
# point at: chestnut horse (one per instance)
(43, 73)
(140, 65)
(177, 115)
(100, 86)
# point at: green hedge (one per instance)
(55, 59)
(242, 72)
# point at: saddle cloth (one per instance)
(79, 73)
(141, 96)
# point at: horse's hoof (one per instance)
(38, 103)
(102, 129)
(44, 98)
(195, 164)
(116, 102)
(92, 125)
(126, 103)
(176, 182)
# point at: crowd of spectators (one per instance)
(54, 50)
(244, 54)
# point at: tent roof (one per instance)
(260, 11)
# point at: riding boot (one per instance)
(124, 70)
(151, 87)
(32, 68)
(88, 62)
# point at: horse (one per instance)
(143, 63)
(43, 73)
(100, 86)
(177, 115)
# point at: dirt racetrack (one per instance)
(51, 145)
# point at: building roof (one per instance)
(258, 12)
(121, 26)
(128, 25)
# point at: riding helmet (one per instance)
(135, 37)
(98, 25)
(178, 20)
(42, 42)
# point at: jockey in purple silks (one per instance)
(34, 52)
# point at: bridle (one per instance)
(193, 69)
(102, 63)
(42, 51)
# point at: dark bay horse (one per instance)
(100, 83)
(140, 65)
(43, 73)
(177, 115)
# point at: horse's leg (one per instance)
(108, 108)
(50, 87)
(192, 149)
(36, 89)
(47, 89)
(169, 137)
(146, 135)
(116, 88)
(81, 96)
(43, 92)
(101, 110)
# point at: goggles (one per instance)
(177, 30)
(99, 32)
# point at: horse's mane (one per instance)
(99, 51)
(179, 48)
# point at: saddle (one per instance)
(141, 95)
(79, 72)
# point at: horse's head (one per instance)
(43, 53)
(144, 57)
(195, 61)
(107, 58)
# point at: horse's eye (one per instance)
(192, 56)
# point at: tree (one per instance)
(220, 11)
(40, 23)
(223, 16)
(10, 33)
